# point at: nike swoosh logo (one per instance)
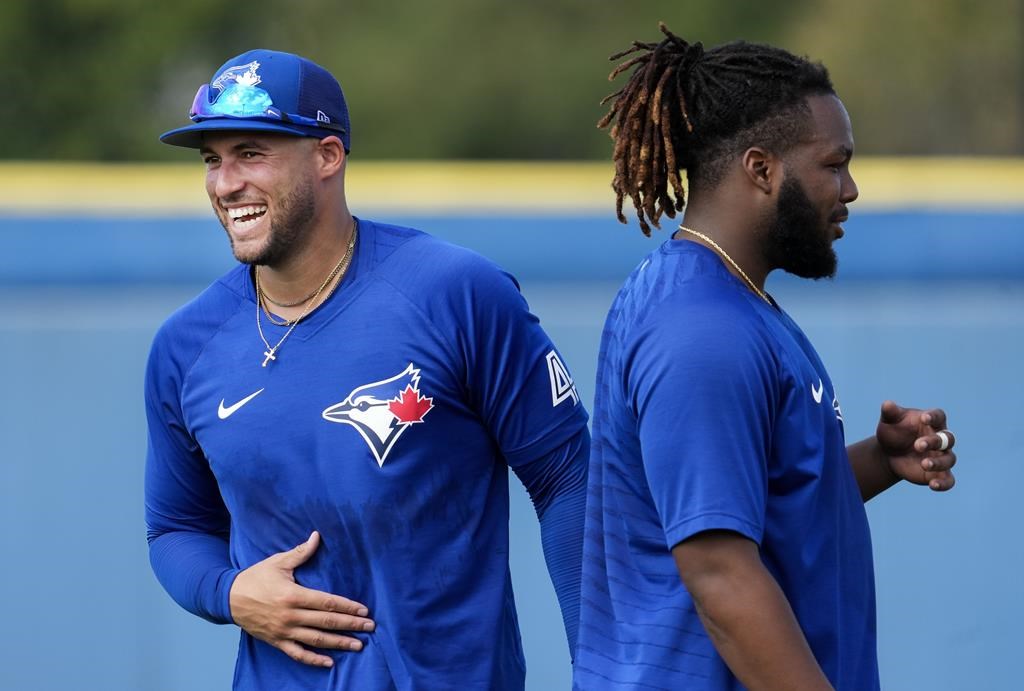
(814, 392)
(224, 413)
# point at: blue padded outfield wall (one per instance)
(928, 309)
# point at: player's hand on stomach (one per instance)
(267, 602)
(918, 445)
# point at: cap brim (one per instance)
(191, 136)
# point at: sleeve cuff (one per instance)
(689, 527)
(227, 579)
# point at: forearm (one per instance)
(561, 531)
(187, 524)
(196, 571)
(557, 485)
(870, 467)
(747, 616)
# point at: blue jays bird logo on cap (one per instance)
(239, 95)
(239, 74)
(382, 410)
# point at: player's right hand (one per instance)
(266, 601)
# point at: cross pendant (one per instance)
(270, 356)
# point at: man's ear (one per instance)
(330, 155)
(762, 168)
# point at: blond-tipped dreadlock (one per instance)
(684, 109)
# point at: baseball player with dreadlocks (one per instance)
(727, 544)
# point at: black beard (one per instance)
(797, 240)
(287, 228)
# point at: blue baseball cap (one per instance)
(267, 91)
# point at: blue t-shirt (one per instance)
(713, 412)
(388, 423)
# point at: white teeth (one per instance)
(241, 212)
(244, 225)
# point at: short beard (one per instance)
(288, 227)
(797, 240)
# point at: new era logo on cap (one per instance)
(271, 91)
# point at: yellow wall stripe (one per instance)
(451, 187)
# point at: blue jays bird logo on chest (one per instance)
(382, 410)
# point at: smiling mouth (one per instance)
(244, 217)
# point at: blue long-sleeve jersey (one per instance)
(387, 423)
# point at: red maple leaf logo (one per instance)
(410, 406)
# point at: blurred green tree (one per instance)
(99, 79)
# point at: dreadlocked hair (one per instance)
(686, 109)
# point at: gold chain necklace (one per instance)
(266, 296)
(763, 295)
(339, 270)
(287, 322)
